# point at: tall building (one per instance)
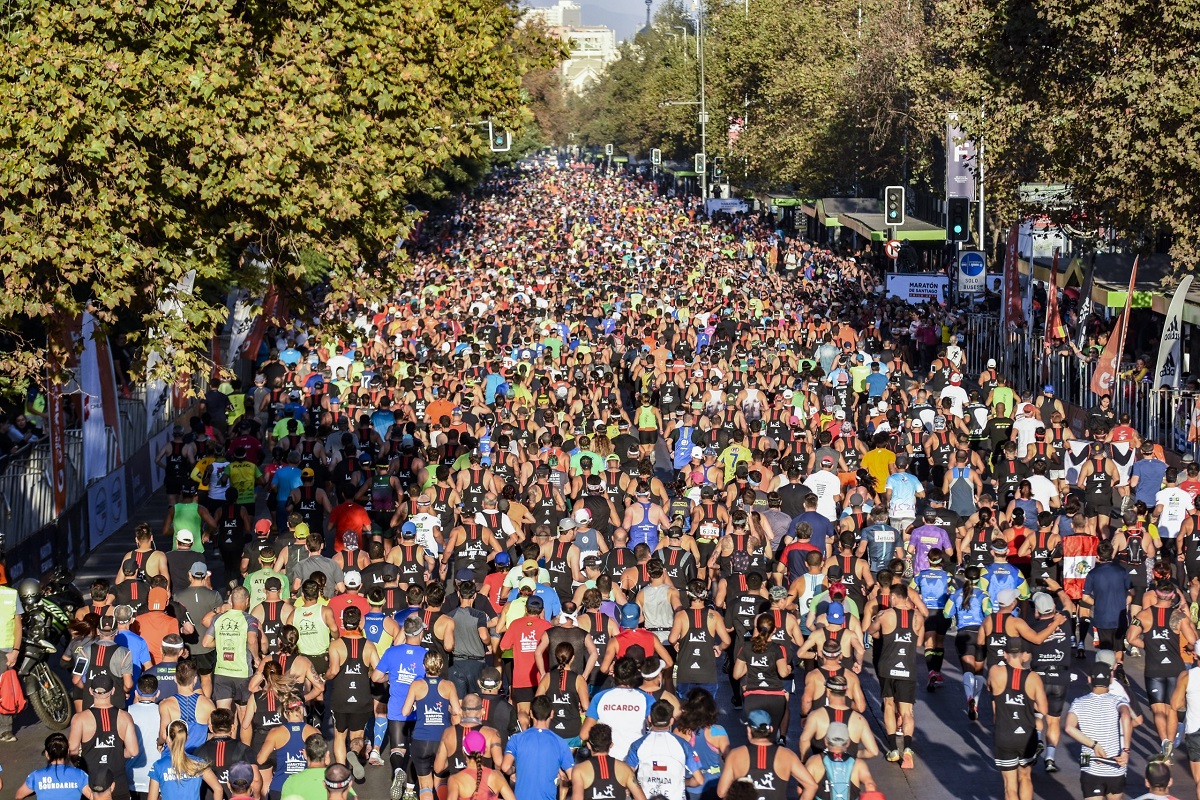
(564, 14)
(593, 47)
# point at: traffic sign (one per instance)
(892, 248)
(972, 272)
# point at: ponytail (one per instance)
(184, 765)
(764, 629)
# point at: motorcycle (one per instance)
(49, 608)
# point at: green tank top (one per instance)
(645, 419)
(187, 518)
(1003, 394)
(314, 633)
(230, 632)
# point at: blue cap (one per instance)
(1048, 388)
(502, 560)
(835, 614)
(759, 719)
(409, 528)
(630, 614)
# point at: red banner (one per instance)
(1013, 311)
(1110, 359)
(56, 424)
(1054, 327)
(271, 308)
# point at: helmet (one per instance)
(28, 590)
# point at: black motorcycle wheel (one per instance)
(49, 697)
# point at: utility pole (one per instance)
(703, 106)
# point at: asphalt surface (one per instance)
(953, 754)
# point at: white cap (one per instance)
(839, 414)
(185, 537)
(697, 452)
(352, 578)
(583, 516)
(1006, 597)
(991, 363)
(788, 394)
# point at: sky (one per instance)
(626, 17)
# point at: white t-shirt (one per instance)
(958, 398)
(426, 523)
(1025, 428)
(1175, 504)
(1043, 490)
(663, 763)
(826, 486)
(625, 711)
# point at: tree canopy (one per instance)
(843, 97)
(143, 139)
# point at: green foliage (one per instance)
(1096, 93)
(142, 139)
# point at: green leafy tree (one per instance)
(1095, 93)
(142, 139)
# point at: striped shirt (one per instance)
(1099, 718)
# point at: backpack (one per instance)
(12, 696)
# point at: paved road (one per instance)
(953, 754)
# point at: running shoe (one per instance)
(1168, 749)
(8, 736)
(907, 762)
(1134, 652)
(356, 766)
(1041, 748)
(375, 760)
(933, 684)
(397, 791)
(1051, 766)
(941, 679)
(972, 710)
(893, 756)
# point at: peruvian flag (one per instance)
(1079, 556)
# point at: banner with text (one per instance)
(917, 288)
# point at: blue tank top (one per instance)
(432, 713)
(709, 760)
(683, 448)
(373, 626)
(1030, 508)
(290, 758)
(644, 532)
(197, 732)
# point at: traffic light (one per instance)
(893, 205)
(701, 164)
(501, 140)
(656, 156)
(608, 149)
(958, 219)
(718, 171)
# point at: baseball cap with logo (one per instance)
(184, 537)
(835, 614)
(198, 569)
(630, 614)
(759, 719)
(352, 579)
(157, 599)
(837, 734)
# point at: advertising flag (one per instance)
(1110, 359)
(1169, 368)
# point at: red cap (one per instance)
(262, 527)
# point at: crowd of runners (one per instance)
(597, 506)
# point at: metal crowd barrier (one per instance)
(26, 497)
(1167, 417)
